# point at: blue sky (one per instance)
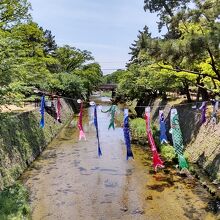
(105, 27)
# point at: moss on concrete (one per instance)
(22, 140)
(202, 142)
(14, 203)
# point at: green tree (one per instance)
(114, 78)
(68, 85)
(71, 58)
(50, 45)
(29, 58)
(199, 36)
(13, 12)
(190, 48)
(23, 62)
(91, 75)
(166, 10)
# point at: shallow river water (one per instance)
(69, 181)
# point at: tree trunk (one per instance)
(186, 91)
(214, 84)
(202, 91)
(142, 104)
(139, 109)
(163, 95)
(204, 94)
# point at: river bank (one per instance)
(70, 181)
(70, 173)
(201, 141)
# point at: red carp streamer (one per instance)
(157, 162)
(58, 110)
(80, 126)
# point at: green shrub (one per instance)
(138, 131)
(168, 152)
(186, 155)
(138, 128)
(106, 94)
(14, 203)
(156, 135)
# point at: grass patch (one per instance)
(138, 131)
(14, 203)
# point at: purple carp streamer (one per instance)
(203, 109)
(214, 112)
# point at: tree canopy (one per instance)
(13, 12)
(188, 55)
(30, 58)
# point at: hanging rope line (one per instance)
(194, 105)
(175, 130)
(144, 106)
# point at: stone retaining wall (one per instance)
(22, 140)
(202, 142)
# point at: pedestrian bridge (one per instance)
(108, 87)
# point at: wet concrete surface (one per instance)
(69, 181)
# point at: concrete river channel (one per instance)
(70, 182)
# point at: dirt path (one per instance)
(14, 108)
(69, 181)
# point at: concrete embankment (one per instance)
(202, 141)
(22, 140)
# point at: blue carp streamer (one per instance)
(42, 107)
(97, 130)
(127, 134)
(163, 136)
